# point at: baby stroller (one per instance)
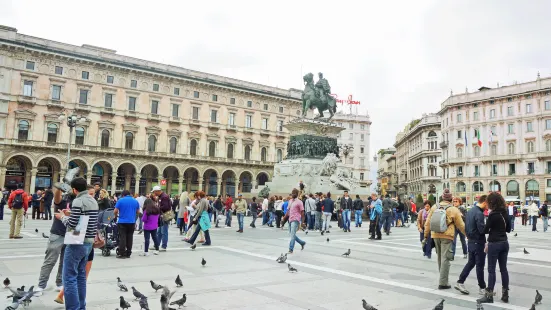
(107, 227)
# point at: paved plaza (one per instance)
(241, 271)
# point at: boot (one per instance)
(505, 295)
(487, 298)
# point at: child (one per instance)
(185, 221)
(150, 220)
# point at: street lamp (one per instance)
(72, 122)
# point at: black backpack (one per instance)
(17, 202)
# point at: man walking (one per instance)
(164, 204)
(346, 207)
(229, 211)
(477, 240)
(376, 207)
(443, 234)
(310, 211)
(255, 209)
(127, 208)
(218, 206)
(544, 215)
(35, 204)
(140, 201)
(265, 211)
(386, 218)
(240, 209)
(533, 212)
(296, 217)
(48, 198)
(511, 211)
(4, 194)
(18, 202)
(358, 211)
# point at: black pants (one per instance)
(126, 238)
(279, 215)
(36, 211)
(477, 258)
(534, 222)
(196, 234)
(375, 228)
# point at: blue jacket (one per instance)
(474, 227)
(328, 205)
(377, 210)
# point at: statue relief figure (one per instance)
(322, 85)
(329, 165)
(317, 96)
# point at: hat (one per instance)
(447, 196)
(156, 188)
(239, 195)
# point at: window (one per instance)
(28, 88)
(85, 75)
(528, 108)
(459, 118)
(176, 91)
(510, 128)
(213, 116)
(530, 147)
(195, 112)
(212, 149)
(110, 79)
(459, 152)
(151, 143)
(248, 121)
(155, 87)
(129, 141)
(512, 169)
(475, 116)
(476, 171)
(510, 111)
(494, 169)
(493, 150)
(492, 113)
(265, 107)
(478, 187)
(548, 184)
(264, 123)
(108, 100)
(263, 154)
(173, 143)
(231, 119)
(105, 138)
(476, 151)
(29, 65)
(232, 100)
(175, 110)
(230, 151)
(493, 131)
(362, 137)
(247, 152)
(531, 168)
(279, 125)
(509, 99)
(361, 176)
(214, 97)
(249, 104)
(280, 109)
(460, 170)
(195, 94)
(529, 127)
(52, 133)
(548, 124)
(56, 92)
(459, 134)
(23, 130)
(83, 96)
(362, 127)
(511, 148)
(361, 150)
(58, 70)
(133, 84)
(193, 147)
(131, 103)
(79, 136)
(351, 136)
(154, 107)
(351, 126)
(547, 105)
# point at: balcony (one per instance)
(476, 174)
(231, 127)
(130, 114)
(214, 125)
(82, 108)
(264, 132)
(280, 134)
(55, 104)
(511, 172)
(195, 122)
(175, 120)
(443, 162)
(21, 99)
(531, 171)
(154, 117)
(248, 130)
(107, 111)
(444, 144)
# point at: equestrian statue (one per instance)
(318, 96)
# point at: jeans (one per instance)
(48, 212)
(427, 250)
(463, 242)
(162, 234)
(140, 225)
(126, 238)
(264, 217)
(524, 216)
(497, 252)
(326, 220)
(400, 216)
(512, 220)
(386, 219)
(153, 234)
(255, 216)
(346, 219)
(405, 216)
(445, 256)
(308, 219)
(228, 218)
(358, 217)
(2, 204)
(477, 258)
(240, 218)
(545, 219)
(530, 220)
(74, 275)
(54, 250)
(534, 222)
(375, 228)
(216, 221)
(293, 226)
(196, 233)
(271, 220)
(318, 221)
(16, 221)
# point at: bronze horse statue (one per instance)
(311, 99)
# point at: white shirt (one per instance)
(511, 210)
(140, 201)
(265, 204)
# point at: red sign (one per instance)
(163, 182)
(343, 101)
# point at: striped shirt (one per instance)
(83, 204)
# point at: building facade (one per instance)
(357, 135)
(513, 124)
(387, 177)
(418, 154)
(140, 123)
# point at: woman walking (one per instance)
(421, 220)
(497, 228)
(150, 219)
(183, 204)
(201, 220)
(278, 210)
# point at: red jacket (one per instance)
(24, 196)
(229, 202)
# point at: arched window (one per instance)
(173, 143)
(511, 148)
(512, 188)
(548, 145)
(23, 130)
(212, 149)
(493, 150)
(279, 155)
(79, 136)
(459, 152)
(478, 187)
(247, 152)
(263, 154)
(52, 133)
(476, 151)
(129, 141)
(495, 186)
(432, 134)
(460, 187)
(105, 138)
(530, 147)
(230, 151)
(151, 143)
(532, 188)
(193, 147)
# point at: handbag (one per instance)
(168, 216)
(99, 240)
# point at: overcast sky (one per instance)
(399, 58)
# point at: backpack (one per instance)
(438, 221)
(17, 202)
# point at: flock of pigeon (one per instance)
(166, 295)
(19, 296)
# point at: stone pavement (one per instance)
(241, 271)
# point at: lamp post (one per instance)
(72, 122)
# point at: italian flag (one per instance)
(478, 138)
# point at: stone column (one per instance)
(137, 176)
(89, 178)
(104, 180)
(2, 176)
(219, 186)
(180, 185)
(113, 183)
(61, 175)
(33, 180)
(237, 189)
(188, 184)
(148, 185)
(127, 181)
(255, 184)
(200, 183)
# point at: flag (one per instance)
(478, 137)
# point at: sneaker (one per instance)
(162, 250)
(227, 227)
(38, 291)
(444, 287)
(155, 252)
(482, 291)
(302, 246)
(290, 252)
(144, 254)
(58, 288)
(461, 287)
(487, 298)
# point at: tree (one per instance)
(432, 198)
(419, 200)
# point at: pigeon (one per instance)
(440, 306)
(516, 234)
(533, 307)
(367, 306)
(6, 282)
(124, 304)
(193, 246)
(526, 252)
(178, 281)
(143, 303)
(306, 232)
(36, 230)
(137, 293)
(327, 239)
(155, 286)
(538, 298)
(167, 293)
(479, 306)
(21, 297)
(279, 258)
(282, 259)
(322, 232)
(180, 302)
(121, 285)
(291, 268)
(21, 289)
(164, 303)
(203, 262)
(347, 253)
(44, 236)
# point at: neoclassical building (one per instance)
(139, 123)
(514, 126)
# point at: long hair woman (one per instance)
(201, 220)
(150, 219)
(183, 203)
